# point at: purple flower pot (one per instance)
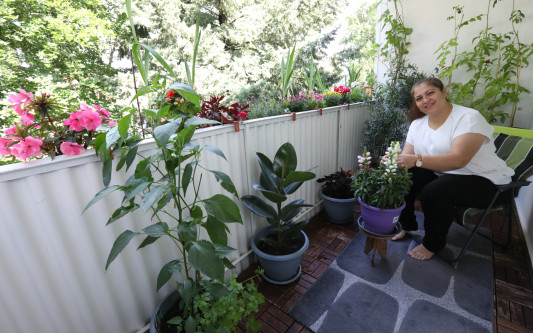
(378, 220)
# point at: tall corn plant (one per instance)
(310, 79)
(320, 82)
(191, 73)
(286, 73)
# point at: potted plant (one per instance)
(338, 196)
(165, 185)
(381, 190)
(281, 244)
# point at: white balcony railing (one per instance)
(53, 258)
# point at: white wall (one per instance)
(431, 28)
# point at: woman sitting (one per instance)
(451, 155)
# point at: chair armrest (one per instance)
(512, 185)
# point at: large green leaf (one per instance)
(197, 121)
(119, 245)
(257, 206)
(297, 176)
(131, 156)
(223, 250)
(147, 241)
(217, 231)
(186, 91)
(215, 150)
(268, 171)
(185, 135)
(186, 177)
(160, 59)
(217, 289)
(101, 195)
(263, 181)
(141, 92)
(272, 196)
(99, 143)
(152, 197)
(141, 186)
(187, 232)
(170, 268)
(162, 113)
(142, 170)
(163, 133)
(156, 230)
(203, 257)
(112, 137)
(292, 209)
(123, 126)
(223, 209)
(225, 182)
(107, 168)
(285, 160)
(122, 211)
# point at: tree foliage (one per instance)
(242, 41)
(48, 46)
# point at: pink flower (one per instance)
(12, 130)
(26, 148)
(75, 121)
(5, 146)
(103, 112)
(91, 120)
(27, 118)
(70, 148)
(22, 98)
(112, 123)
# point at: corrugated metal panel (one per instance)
(53, 258)
(351, 125)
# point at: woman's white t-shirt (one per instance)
(462, 120)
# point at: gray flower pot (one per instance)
(339, 211)
(162, 308)
(279, 269)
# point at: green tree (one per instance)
(242, 41)
(359, 41)
(61, 47)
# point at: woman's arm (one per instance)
(462, 150)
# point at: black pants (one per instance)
(440, 196)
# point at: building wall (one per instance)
(431, 28)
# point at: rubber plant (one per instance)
(277, 181)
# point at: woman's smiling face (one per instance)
(429, 98)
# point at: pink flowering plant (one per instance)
(384, 186)
(39, 133)
(305, 100)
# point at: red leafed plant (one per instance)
(214, 110)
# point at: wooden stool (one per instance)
(376, 242)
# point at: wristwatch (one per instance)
(419, 161)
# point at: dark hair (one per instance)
(414, 111)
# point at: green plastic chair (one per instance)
(515, 147)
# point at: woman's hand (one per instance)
(407, 160)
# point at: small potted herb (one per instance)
(338, 196)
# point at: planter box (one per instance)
(53, 258)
